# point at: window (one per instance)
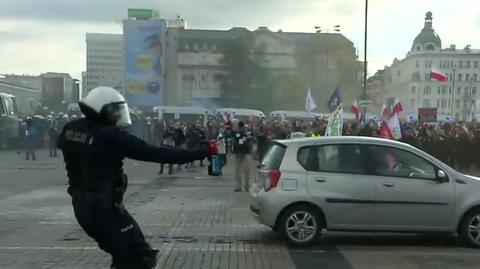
(392, 162)
(187, 47)
(449, 103)
(414, 89)
(457, 103)
(438, 102)
(460, 77)
(450, 90)
(468, 64)
(412, 102)
(460, 64)
(466, 90)
(417, 64)
(443, 103)
(274, 157)
(475, 64)
(444, 89)
(459, 90)
(438, 90)
(345, 158)
(474, 90)
(429, 47)
(426, 102)
(427, 90)
(474, 77)
(467, 77)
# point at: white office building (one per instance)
(104, 61)
(410, 80)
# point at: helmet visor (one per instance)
(119, 113)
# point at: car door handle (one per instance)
(321, 180)
(388, 184)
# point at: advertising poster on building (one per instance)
(144, 49)
(53, 94)
(427, 114)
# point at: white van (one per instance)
(187, 114)
(241, 114)
(290, 115)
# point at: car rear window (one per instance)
(274, 157)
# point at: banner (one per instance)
(335, 122)
(427, 114)
(144, 54)
(310, 103)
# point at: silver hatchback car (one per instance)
(361, 184)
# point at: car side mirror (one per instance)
(442, 176)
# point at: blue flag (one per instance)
(335, 100)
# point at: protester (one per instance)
(241, 149)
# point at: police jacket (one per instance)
(94, 153)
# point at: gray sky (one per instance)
(49, 35)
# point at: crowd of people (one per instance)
(457, 144)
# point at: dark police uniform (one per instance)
(94, 156)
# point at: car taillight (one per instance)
(273, 176)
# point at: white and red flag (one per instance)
(385, 113)
(385, 131)
(438, 75)
(397, 106)
(355, 109)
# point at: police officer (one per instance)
(93, 149)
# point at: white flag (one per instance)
(394, 124)
(335, 122)
(310, 103)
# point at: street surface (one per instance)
(194, 220)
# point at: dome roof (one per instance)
(427, 36)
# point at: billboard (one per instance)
(53, 94)
(427, 114)
(144, 54)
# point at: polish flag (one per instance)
(356, 110)
(394, 126)
(385, 113)
(385, 131)
(397, 106)
(439, 76)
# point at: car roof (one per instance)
(342, 139)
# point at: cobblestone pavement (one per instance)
(194, 220)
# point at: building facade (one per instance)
(294, 62)
(104, 61)
(194, 63)
(410, 78)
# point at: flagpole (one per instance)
(453, 95)
(364, 116)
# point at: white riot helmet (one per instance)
(106, 104)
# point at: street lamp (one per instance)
(365, 62)
(319, 29)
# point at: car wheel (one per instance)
(470, 228)
(300, 225)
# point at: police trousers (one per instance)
(116, 232)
